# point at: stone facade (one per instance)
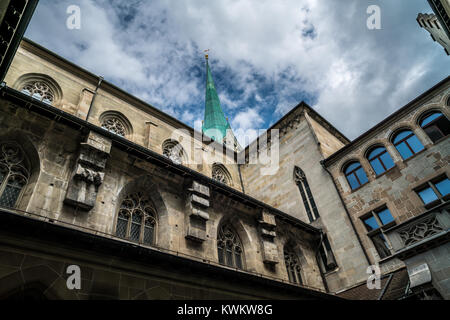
(397, 188)
(103, 163)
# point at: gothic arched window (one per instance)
(229, 247)
(136, 220)
(174, 151)
(14, 174)
(293, 267)
(39, 90)
(219, 173)
(305, 191)
(435, 125)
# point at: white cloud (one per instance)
(315, 48)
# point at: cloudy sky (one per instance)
(266, 56)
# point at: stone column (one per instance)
(89, 172)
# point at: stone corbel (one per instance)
(267, 228)
(89, 173)
(197, 203)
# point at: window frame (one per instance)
(378, 157)
(433, 124)
(353, 172)
(142, 229)
(305, 191)
(405, 140)
(432, 185)
(294, 274)
(380, 230)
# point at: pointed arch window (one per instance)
(174, 151)
(116, 123)
(14, 174)
(221, 174)
(229, 247)
(380, 160)
(136, 220)
(307, 197)
(293, 267)
(355, 174)
(436, 126)
(407, 144)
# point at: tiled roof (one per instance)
(393, 286)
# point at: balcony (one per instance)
(421, 233)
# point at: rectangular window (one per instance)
(435, 191)
(374, 221)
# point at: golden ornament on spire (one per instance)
(206, 54)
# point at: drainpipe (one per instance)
(348, 213)
(240, 177)
(324, 281)
(100, 80)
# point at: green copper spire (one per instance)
(215, 125)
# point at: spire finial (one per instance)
(206, 54)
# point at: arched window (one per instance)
(380, 160)
(39, 90)
(229, 247)
(307, 197)
(355, 174)
(435, 125)
(174, 151)
(14, 174)
(407, 144)
(116, 123)
(219, 173)
(292, 266)
(136, 220)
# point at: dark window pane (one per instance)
(385, 216)
(434, 133)
(381, 245)
(352, 181)
(428, 195)
(148, 235)
(361, 176)
(430, 118)
(237, 257)
(402, 135)
(404, 151)
(9, 196)
(121, 229)
(443, 186)
(371, 223)
(415, 144)
(444, 125)
(220, 252)
(377, 167)
(387, 161)
(229, 257)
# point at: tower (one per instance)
(215, 125)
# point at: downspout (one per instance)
(324, 281)
(100, 80)
(348, 213)
(240, 177)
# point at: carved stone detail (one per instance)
(197, 203)
(267, 226)
(89, 172)
(421, 230)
